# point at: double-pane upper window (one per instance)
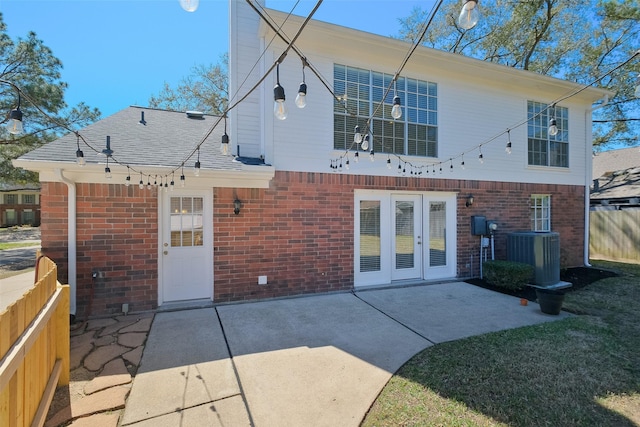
(546, 149)
(361, 94)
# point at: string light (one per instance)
(148, 182)
(396, 110)
(141, 184)
(508, 148)
(480, 156)
(182, 178)
(365, 143)
(389, 163)
(14, 126)
(301, 98)
(279, 107)
(79, 154)
(107, 170)
(196, 167)
(224, 142)
(469, 15)
(462, 162)
(127, 180)
(173, 184)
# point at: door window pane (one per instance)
(404, 235)
(437, 234)
(370, 249)
(186, 221)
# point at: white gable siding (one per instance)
(476, 102)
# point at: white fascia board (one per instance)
(246, 177)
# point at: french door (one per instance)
(404, 236)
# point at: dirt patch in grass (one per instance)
(579, 277)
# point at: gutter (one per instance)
(72, 237)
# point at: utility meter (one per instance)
(492, 226)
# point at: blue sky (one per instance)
(118, 53)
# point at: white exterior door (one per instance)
(404, 236)
(186, 256)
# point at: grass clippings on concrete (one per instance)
(581, 371)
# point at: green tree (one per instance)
(206, 90)
(577, 40)
(29, 65)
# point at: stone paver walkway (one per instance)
(105, 356)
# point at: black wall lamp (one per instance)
(469, 201)
(237, 204)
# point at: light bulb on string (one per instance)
(127, 180)
(357, 136)
(469, 15)
(553, 126)
(462, 163)
(372, 155)
(189, 5)
(399, 168)
(396, 110)
(508, 147)
(107, 170)
(224, 142)
(173, 184)
(365, 143)
(279, 107)
(14, 125)
(301, 98)
(141, 183)
(196, 167)
(346, 164)
(480, 156)
(148, 182)
(155, 181)
(356, 157)
(79, 154)
(389, 163)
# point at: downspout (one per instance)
(588, 178)
(71, 235)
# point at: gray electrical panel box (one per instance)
(479, 225)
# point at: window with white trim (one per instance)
(360, 92)
(540, 212)
(546, 149)
(28, 199)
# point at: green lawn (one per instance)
(582, 371)
(12, 245)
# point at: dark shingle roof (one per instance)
(166, 139)
(615, 160)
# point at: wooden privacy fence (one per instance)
(615, 235)
(34, 349)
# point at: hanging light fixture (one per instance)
(172, 185)
(196, 167)
(480, 156)
(189, 5)
(396, 110)
(107, 170)
(127, 180)
(15, 120)
(365, 143)
(462, 162)
(469, 15)
(182, 178)
(301, 98)
(553, 124)
(148, 182)
(508, 148)
(141, 184)
(279, 107)
(79, 154)
(389, 163)
(357, 136)
(224, 142)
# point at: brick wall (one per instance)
(117, 236)
(298, 233)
